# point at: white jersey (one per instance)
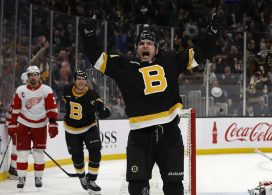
(33, 106)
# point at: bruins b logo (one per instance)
(75, 111)
(154, 79)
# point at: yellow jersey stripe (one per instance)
(155, 119)
(192, 63)
(101, 62)
(155, 116)
(77, 129)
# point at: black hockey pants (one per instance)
(160, 144)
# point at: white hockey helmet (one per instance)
(24, 78)
(32, 70)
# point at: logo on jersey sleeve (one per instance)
(154, 79)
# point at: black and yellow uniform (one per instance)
(80, 109)
(151, 94)
(80, 128)
(150, 90)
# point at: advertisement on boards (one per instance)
(234, 132)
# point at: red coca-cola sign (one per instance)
(214, 133)
(260, 132)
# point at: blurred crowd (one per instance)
(189, 19)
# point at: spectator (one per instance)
(62, 77)
(261, 109)
(117, 112)
(229, 83)
(218, 93)
(250, 110)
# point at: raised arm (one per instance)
(204, 48)
(87, 31)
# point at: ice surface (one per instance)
(228, 174)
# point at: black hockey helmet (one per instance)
(146, 33)
(79, 74)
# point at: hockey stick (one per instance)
(5, 153)
(263, 154)
(69, 174)
(94, 87)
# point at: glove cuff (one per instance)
(12, 126)
(55, 124)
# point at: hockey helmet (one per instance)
(79, 74)
(24, 78)
(146, 33)
(32, 70)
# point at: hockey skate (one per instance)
(264, 188)
(21, 183)
(38, 182)
(93, 188)
(256, 191)
(84, 182)
(12, 173)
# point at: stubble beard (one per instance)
(33, 82)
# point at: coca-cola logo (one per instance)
(259, 132)
(32, 102)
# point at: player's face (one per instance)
(80, 83)
(146, 50)
(33, 79)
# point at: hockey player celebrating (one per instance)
(149, 86)
(82, 104)
(12, 169)
(34, 106)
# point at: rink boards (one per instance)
(231, 135)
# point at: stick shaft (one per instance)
(69, 174)
(5, 153)
(263, 154)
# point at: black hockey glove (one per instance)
(101, 109)
(87, 27)
(216, 24)
(104, 113)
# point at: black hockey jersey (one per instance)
(150, 90)
(80, 109)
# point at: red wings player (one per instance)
(34, 106)
(12, 169)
